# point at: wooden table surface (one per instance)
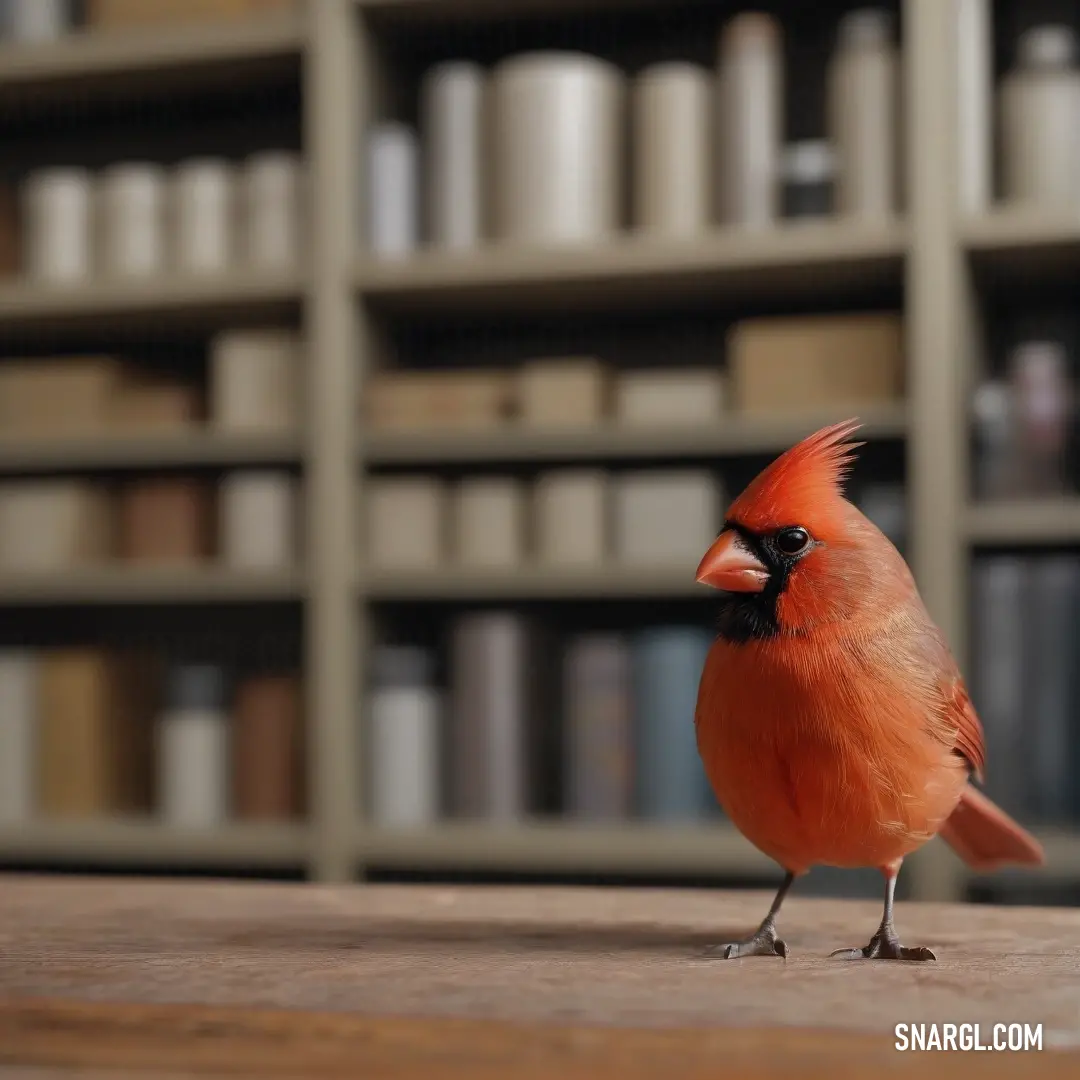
(168, 979)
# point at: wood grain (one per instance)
(253, 979)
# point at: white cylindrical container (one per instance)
(558, 145)
(36, 20)
(750, 120)
(202, 217)
(571, 513)
(1040, 120)
(404, 715)
(257, 520)
(255, 380)
(489, 522)
(974, 95)
(863, 102)
(193, 749)
(272, 210)
(393, 190)
(58, 222)
(672, 134)
(452, 125)
(131, 220)
(18, 727)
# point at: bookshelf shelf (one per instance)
(174, 301)
(145, 585)
(148, 844)
(809, 260)
(169, 58)
(1012, 244)
(556, 846)
(735, 435)
(601, 583)
(196, 449)
(1026, 522)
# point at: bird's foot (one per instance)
(763, 943)
(885, 945)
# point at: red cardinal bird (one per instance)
(831, 719)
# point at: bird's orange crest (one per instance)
(802, 486)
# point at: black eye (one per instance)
(793, 541)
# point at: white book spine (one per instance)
(393, 156)
(405, 755)
(273, 210)
(131, 217)
(258, 520)
(193, 736)
(202, 216)
(58, 223)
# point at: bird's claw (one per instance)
(885, 947)
(763, 943)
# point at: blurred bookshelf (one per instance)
(316, 77)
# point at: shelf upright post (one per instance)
(934, 297)
(333, 632)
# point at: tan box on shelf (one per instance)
(49, 525)
(147, 402)
(665, 517)
(658, 397)
(405, 522)
(571, 512)
(106, 13)
(166, 520)
(563, 393)
(489, 522)
(787, 364)
(438, 401)
(51, 398)
(95, 748)
(9, 231)
(255, 380)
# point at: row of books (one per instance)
(249, 520)
(598, 728)
(1025, 681)
(90, 733)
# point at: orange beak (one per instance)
(728, 566)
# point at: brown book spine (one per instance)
(95, 738)
(166, 520)
(267, 751)
(73, 769)
(9, 231)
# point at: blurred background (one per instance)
(374, 374)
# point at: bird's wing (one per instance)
(970, 740)
(959, 723)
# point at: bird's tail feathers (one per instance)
(986, 838)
